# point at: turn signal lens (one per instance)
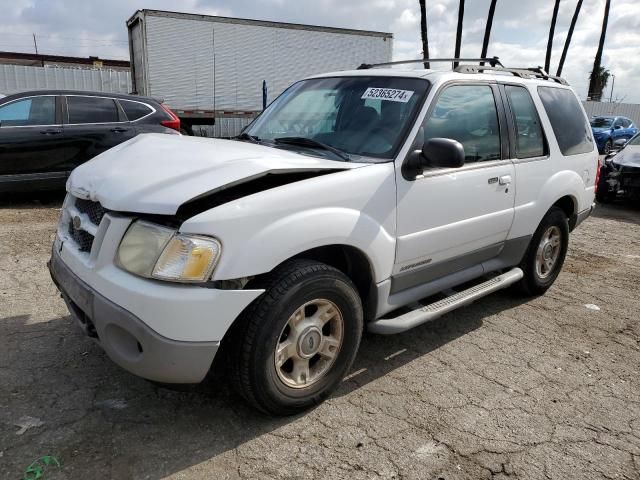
(188, 258)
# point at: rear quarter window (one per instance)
(569, 124)
(135, 110)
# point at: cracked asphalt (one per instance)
(544, 388)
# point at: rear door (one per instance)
(92, 126)
(31, 140)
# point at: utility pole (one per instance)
(613, 82)
(35, 43)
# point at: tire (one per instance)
(607, 147)
(266, 325)
(539, 275)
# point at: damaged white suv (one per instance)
(351, 198)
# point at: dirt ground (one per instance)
(543, 388)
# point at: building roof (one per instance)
(40, 58)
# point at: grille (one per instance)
(94, 210)
(82, 238)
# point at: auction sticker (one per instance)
(390, 94)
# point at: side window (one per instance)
(92, 110)
(134, 110)
(529, 136)
(617, 123)
(467, 113)
(570, 126)
(30, 111)
(626, 123)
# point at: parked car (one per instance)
(620, 173)
(607, 130)
(46, 134)
(354, 195)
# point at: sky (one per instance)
(519, 35)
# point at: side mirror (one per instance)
(618, 127)
(443, 153)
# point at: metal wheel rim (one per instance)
(607, 148)
(309, 343)
(548, 251)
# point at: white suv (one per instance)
(352, 197)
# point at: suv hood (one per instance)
(156, 173)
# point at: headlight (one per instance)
(154, 251)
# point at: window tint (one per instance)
(467, 113)
(529, 136)
(134, 110)
(617, 123)
(30, 111)
(567, 119)
(626, 123)
(92, 110)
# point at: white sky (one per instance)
(519, 38)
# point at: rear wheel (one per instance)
(546, 253)
(296, 342)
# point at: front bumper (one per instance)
(127, 340)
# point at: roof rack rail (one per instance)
(493, 61)
(535, 72)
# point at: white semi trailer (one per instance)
(211, 70)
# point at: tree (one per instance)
(601, 80)
(554, 17)
(569, 36)
(423, 32)
(595, 88)
(487, 29)
(459, 31)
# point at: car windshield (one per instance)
(635, 141)
(344, 118)
(601, 122)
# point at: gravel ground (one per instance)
(545, 388)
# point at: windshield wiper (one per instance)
(246, 136)
(310, 142)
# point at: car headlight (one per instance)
(154, 251)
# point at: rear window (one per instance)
(570, 127)
(135, 110)
(92, 110)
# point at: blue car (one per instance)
(606, 130)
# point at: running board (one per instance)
(388, 326)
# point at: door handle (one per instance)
(51, 131)
(505, 180)
(119, 130)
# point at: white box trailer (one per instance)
(210, 70)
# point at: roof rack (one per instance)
(494, 65)
(535, 72)
(493, 61)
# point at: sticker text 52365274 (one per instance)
(389, 94)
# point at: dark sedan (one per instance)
(46, 134)
(620, 173)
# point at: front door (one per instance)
(450, 219)
(31, 139)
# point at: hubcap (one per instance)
(309, 343)
(548, 252)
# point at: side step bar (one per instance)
(388, 326)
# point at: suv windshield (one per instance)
(343, 117)
(601, 122)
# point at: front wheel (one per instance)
(296, 342)
(546, 253)
(607, 147)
